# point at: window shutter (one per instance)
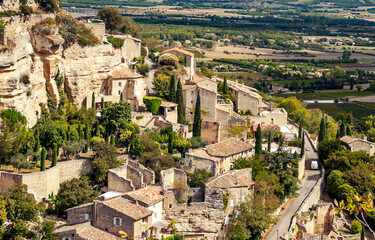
(114, 221)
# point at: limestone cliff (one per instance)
(29, 62)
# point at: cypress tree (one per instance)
(68, 133)
(180, 102)
(102, 103)
(80, 134)
(93, 101)
(225, 86)
(269, 142)
(342, 129)
(170, 143)
(322, 130)
(303, 145)
(348, 130)
(258, 140)
(112, 139)
(43, 159)
(121, 97)
(37, 144)
(197, 124)
(54, 155)
(172, 89)
(300, 130)
(338, 134)
(363, 233)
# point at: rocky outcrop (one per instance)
(30, 60)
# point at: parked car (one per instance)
(314, 165)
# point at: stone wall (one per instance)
(211, 132)
(77, 214)
(301, 167)
(148, 174)
(135, 176)
(117, 180)
(40, 184)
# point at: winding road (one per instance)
(311, 177)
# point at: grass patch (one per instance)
(197, 54)
(329, 108)
(335, 109)
(324, 95)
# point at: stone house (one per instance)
(206, 218)
(246, 98)
(168, 110)
(121, 80)
(277, 116)
(129, 213)
(358, 144)
(188, 58)
(217, 158)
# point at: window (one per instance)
(170, 205)
(192, 92)
(119, 92)
(271, 120)
(86, 216)
(119, 84)
(136, 44)
(253, 104)
(231, 203)
(117, 221)
(144, 220)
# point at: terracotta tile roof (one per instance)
(228, 147)
(168, 104)
(202, 153)
(233, 178)
(122, 72)
(222, 108)
(188, 86)
(350, 139)
(146, 195)
(127, 207)
(179, 50)
(87, 231)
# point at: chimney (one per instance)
(94, 212)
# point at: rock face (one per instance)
(30, 61)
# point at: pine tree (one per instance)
(322, 130)
(269, 142)
(54, 155)
(300, 130)
(342, 129)
(197, 124)
(37, 144)
(170, 143)
(348, 130)
(102, 103)
(93, 101)
(303, 145)
(180, 102)
(172, 89)
(112, 139)
(258, 140)
(225, 86)
(43, 159)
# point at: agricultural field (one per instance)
(359, 110)
(325, 95)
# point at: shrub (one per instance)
(198, 178)
(116, 42)
(152, 104)
(25, 79)
(83, 41)
(26, 10)
(356, 226)
(143, 69)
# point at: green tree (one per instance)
(225, 86)
(54, 155)
(143, 69)
(102, 103)
(342, 129)
(105, 158)
(93, 101)
(111, 17)
(170, 143)
(362, 233)
(300, 130)
(121, 97)
(197, 124)
(322, 130)
(132, 28)
(43, 159)
(180, 102)
(198, 178)
(172, 89)
(161, 85)
(136, 147)
(19, 161)
(112, 139)
(346, 55)
(115, 116)
(73, 193)
(182, 146)
(348, 130)
(258, 140)
(37, 144)
(87, 136)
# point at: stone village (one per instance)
(133, 202)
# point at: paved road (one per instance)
(306, 185)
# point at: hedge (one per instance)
(152, 104)
(116, 42)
